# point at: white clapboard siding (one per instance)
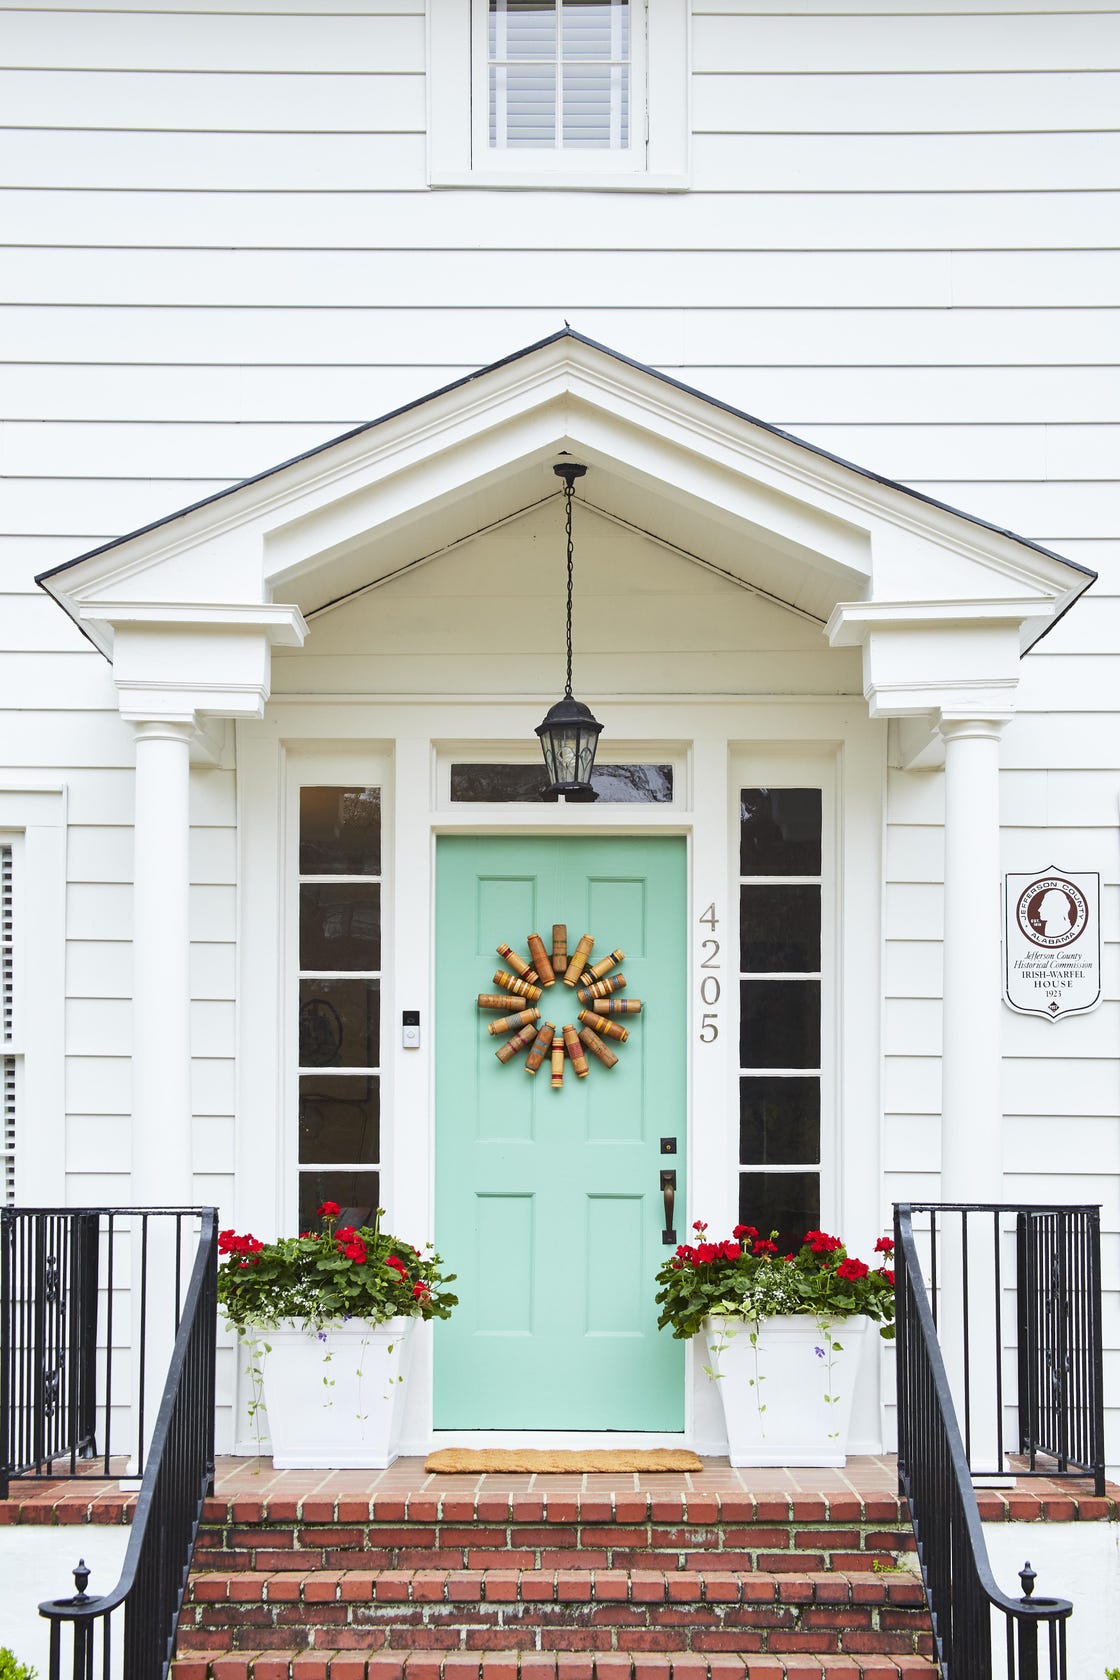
(229, 41)
(97, 1143)
(911, 1084)
(401, 279)
(117, 505)
(1070, 683)
(912, 1026)
(127, 101)
(56, 681)
(99, 1027)
(250, 162)
(213, 1085)
(905, 162)
(214, 970)
(787, 42)
(754, 103)
(911, 1147)
(33, 622)
(99, 968)
(374, 218)
(152, 451)
(913, 968)
(98, 1085)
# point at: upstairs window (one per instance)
(558, 74)
(558, 93)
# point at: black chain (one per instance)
(568, 510)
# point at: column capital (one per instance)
(952, 727)
(164, 728)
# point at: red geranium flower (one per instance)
(821, 1243)
(397, 1265)
(329, 1210)
(742, 1231)
(345, 1233)
(421, 1292)
(887, 1275)
(356, 1250)
(851, 1270)
(765, 1247)
(885, 1245)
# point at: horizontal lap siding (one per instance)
(900, 243)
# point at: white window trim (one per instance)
(656, 161)
(33, 822)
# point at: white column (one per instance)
(161, 1051)
(971, 1104)
(971, 1135)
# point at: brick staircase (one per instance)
(488, 1585)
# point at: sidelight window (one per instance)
(780, 838)
(339, 1127)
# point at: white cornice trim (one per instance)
(850, 622)
(284, 626)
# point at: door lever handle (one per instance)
(669, 1192)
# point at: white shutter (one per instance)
(559, 74)
(7, 1004)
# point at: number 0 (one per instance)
(709, 989)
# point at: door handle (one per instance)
(669, 1193)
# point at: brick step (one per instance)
(602, 1610)
(623, 1531)
(545, 1665)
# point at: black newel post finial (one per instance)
(1027, 1577)
(81, 1580)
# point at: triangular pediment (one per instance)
(740, 498)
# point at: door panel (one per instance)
(548, 1203)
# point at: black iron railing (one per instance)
(1015, 1293)
(964, 1601)
(131, 1630)
(90, 1303)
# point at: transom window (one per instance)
(780, 1011)
(339, 1002)
(558, 74)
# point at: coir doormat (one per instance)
(462, 1461)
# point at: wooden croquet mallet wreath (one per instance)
(594, 985)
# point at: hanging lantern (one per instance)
(569, 734)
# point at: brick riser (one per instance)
(584, 1586)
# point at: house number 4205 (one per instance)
(710, 988)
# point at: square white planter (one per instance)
(775, 1395)
(335, 1398)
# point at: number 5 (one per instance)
(709, 1032)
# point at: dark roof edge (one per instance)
(628, 361)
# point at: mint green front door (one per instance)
(548, 1203)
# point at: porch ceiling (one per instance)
(762, 507)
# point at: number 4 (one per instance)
(708, 917)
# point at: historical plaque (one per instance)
(1052, 942)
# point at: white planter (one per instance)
(334, 1402)
(774, 1394)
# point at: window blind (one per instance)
(7, 1006)
(560, 74)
